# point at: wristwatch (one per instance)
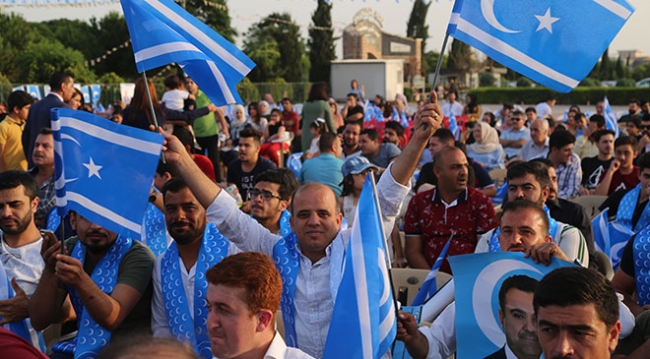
(153, 196)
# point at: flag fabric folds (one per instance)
(541, 39)
(103, 170)
(162, 32)
(610, 237)
(611, 121)
(429, 286)
(363, 321)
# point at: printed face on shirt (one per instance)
(16, 210)
(231, 326)
(575, 331)
(315, 218)
(519, 324)
(96, 239)
(521, 229)
(184, 216)
(625, 155)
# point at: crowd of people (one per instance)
(258, 204)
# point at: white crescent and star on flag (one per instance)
(546, 21)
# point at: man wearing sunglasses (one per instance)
(516, 136)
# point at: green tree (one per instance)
(431, 60)
(111, 32)
(460, 56)
(15, 35)
(41, 59)
(213, 13)
(417, 27)
(267, 58)
(605, 67)
(619, 69)
(281, 29)
(487, 79)
(321, 43)
(75, 34)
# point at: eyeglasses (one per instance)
(266, 195)
(515, 119)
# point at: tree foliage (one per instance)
(460, 57)
(15, 35)
(417, 27)
(280, 29)
(41, 59)
(321, 43)
(217, 18)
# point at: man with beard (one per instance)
(517, 318)
(351, 140)
(178, 289)
(451, 209)
(108, 278)
(20, 251)
(523, 228)
(567, 163)
(530, 181)
(271, 197)
(43, 173)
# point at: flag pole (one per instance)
(146, 87)
(439, 63)
(383, 235)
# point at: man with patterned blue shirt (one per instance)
(179, 281)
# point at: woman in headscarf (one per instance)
(486, 149)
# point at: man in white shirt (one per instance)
(452, 106)
(514, 138)
(243, 297)
(20, 251)
(311, 257)
(197, 246)
(545, 109)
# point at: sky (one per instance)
(395, 14)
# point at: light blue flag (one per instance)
(477, 279)
(95, 94)
(34, 91)
(453, 126)
(368, 111)
(429, 286)
(103, 170)
(601, 232)
(85, 91)
(455, 14)
(541, 39)
(363, 322)
(18, 88)
(611, 121)
(162, 32)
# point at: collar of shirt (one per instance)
(277, 348)
(462, 197)
(57, 95)
(545, 145)
(509, 353)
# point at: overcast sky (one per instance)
(395, 15)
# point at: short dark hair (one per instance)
(18, 99)
(520, 282)
(531, 109)
(184, 135)
(58, 79)
(372, 134)
(524, 204)
(635, 121)
(12, 179)
(278, 111)
(543, 160)
(166, 167)
(395, 126)
(537, 169)
(318, 91)
(281, 176)
(516, 113)
(174, 185)
(600, 133)
(45, 131)
(645, 118)
(352, 94)
(444, 135)
(326, 141)
(256, 274)
(570, 286)
(172, 82)
(559, 139)
(643, 161)
(600, 120)
(637, 102)
(626, 140)
(285, 99)
(251, 132)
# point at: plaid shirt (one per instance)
(569, 177)
(46, 195)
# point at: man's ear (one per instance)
(265, 318)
